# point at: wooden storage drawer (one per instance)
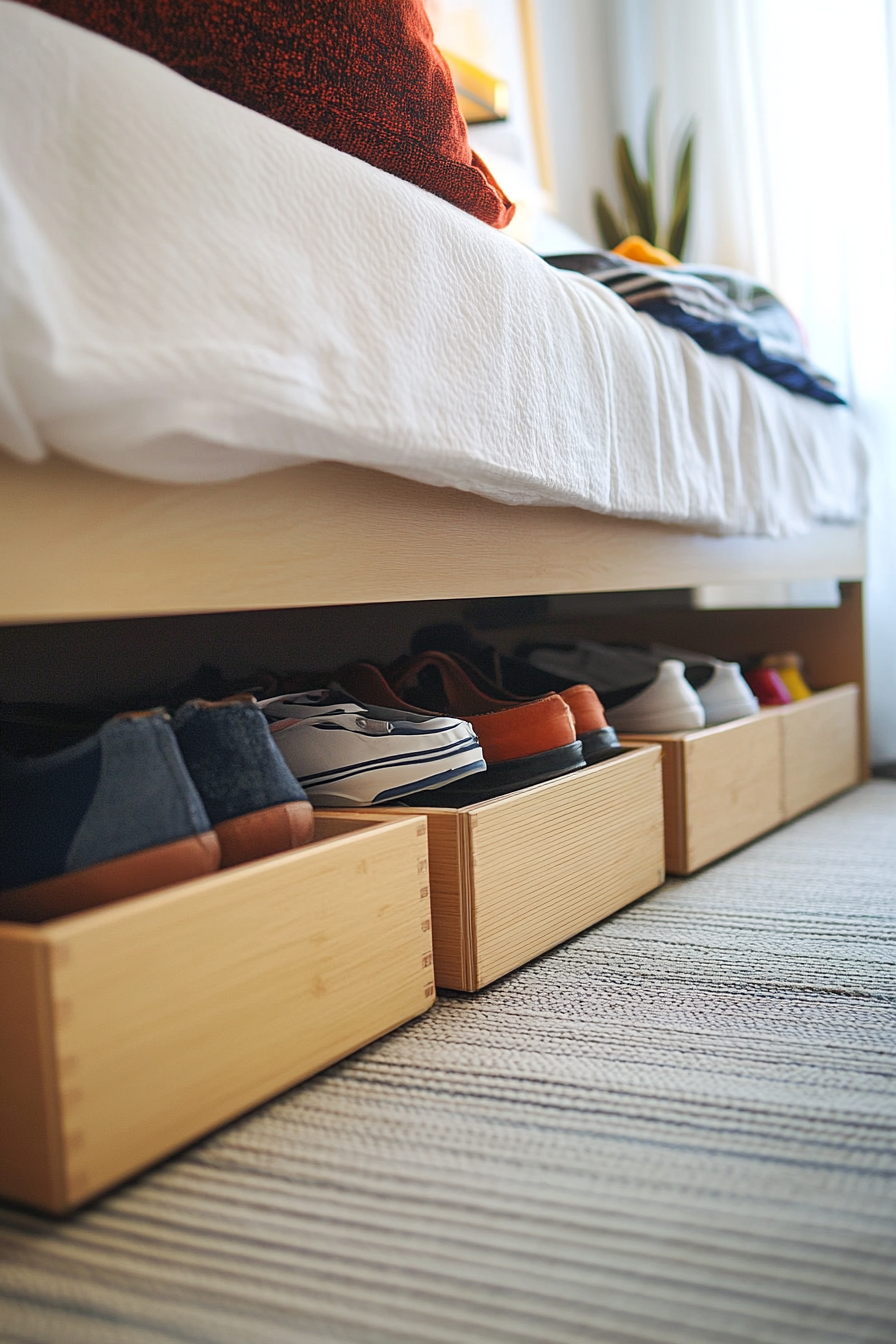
(721, 788)
(820, 748)
(725, 786)
(130, 1030)
(514, 877)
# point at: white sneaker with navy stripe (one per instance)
(346, 754)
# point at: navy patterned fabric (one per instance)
(725, 312)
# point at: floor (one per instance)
(680, 1126)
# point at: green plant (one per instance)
(639, 193)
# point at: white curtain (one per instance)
(796, 183)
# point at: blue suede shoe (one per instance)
(112, 816)
(254, 802)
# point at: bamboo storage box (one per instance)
(514, 877)
(725, 786)
(820, 748)
(129, 1030)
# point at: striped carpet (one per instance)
(678, 1127)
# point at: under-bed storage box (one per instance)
(820, 748)
(130, 1030)
(515, 876)
(726, 785)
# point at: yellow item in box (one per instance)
(635, 248)
(789, 667)
(792, 678)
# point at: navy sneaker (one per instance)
(112, 816)
(254, 802)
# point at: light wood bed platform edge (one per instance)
(79, 544)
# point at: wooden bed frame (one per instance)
(82, 545)
(79, 544)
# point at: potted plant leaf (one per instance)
(639, 214)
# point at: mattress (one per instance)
(190, 292)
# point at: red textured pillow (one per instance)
(361, 75)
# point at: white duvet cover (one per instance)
(191, 292)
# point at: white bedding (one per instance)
(191, 292)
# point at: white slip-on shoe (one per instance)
(346, 754)
(668, 705)
(721, 687)
(640, 692)
(726, 696)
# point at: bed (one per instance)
(241, 373)
(242, 370)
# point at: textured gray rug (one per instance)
(678, 1127)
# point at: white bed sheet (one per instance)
(192, 292)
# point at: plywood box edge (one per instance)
(54, 929)
(451, 901)
(471, 979)
(32, 1157)
(673, 759)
